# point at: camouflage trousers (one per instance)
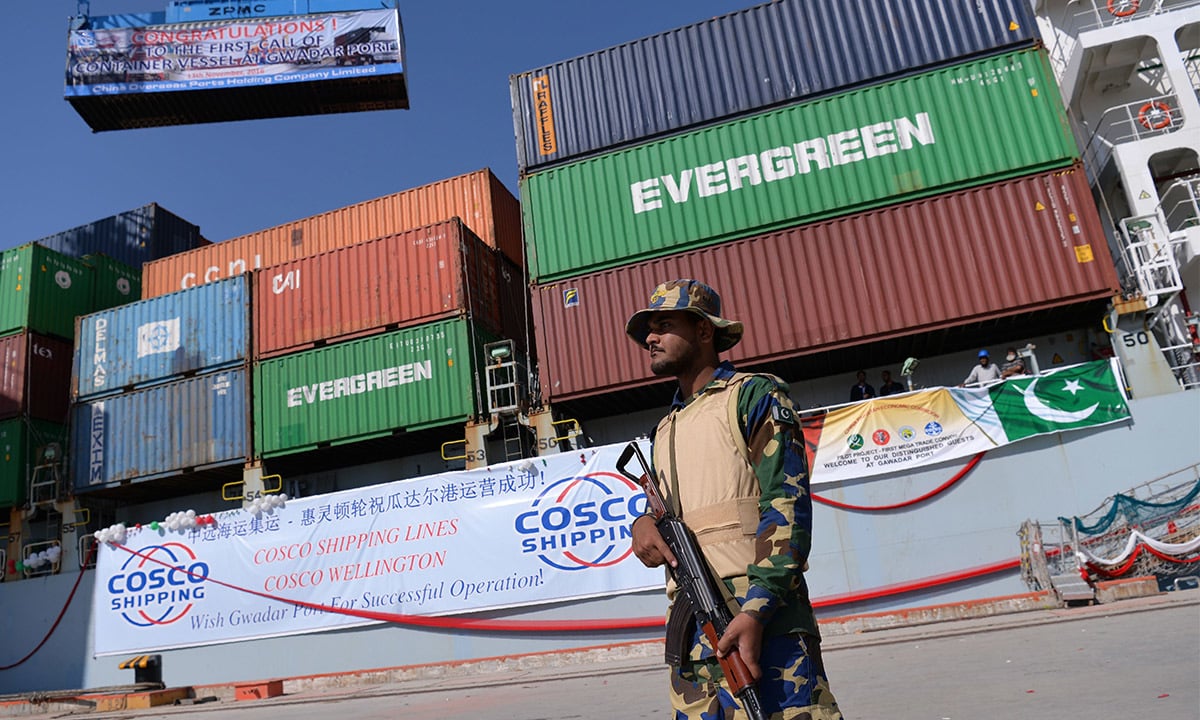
(793, 684)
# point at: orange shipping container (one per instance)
(486, 207)
(433, 273)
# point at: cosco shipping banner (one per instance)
(233, 53)
(895, 433)
(551, 529)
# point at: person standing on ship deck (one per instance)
(1013, 365)
(888, 386)
(861, 389)
(984, 373)
(729, 456)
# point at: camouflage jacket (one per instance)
(773, 587)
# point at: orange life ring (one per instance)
(1123, 8)
(1154, 108)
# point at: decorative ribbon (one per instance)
(876, 508)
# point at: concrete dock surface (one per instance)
(1133, 658)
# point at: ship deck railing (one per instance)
(1126, 123)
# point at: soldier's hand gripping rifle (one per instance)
(697, 587)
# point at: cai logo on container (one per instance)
(158, 585)
(582, 522)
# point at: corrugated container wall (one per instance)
(744, 61)
(405, 380)
(977, 122)
(20, 441)
(954, 259)
(43, 291)
(481, 200)
(165, 430)
(132, 237)
(35, 378)
(516, 316)
(433, 273)
(148, 341)
(116, 283)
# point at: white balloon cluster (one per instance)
(49, 556)
(266, 503)
(182, 520)
(115, 534)
(185, 520)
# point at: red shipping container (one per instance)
(479, 198)
(954, 259)
(35, 378)
(411, 278)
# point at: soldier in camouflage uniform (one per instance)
(729, 459)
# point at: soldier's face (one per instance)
(674, 342)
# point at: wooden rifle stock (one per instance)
(695, 582)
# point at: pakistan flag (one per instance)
(1081, 396)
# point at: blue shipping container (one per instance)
(133, 237)
(774, 53)
(192, 424)
(194, 330)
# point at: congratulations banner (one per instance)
(907, 431)
(545, 530)
(233, 53)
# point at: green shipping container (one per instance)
(21, 441)
(43, 291)
(932, 133)
(409, 379)
(115, 282)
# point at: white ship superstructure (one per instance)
(1129, 72)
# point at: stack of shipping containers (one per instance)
(840, 172)
(365, 321)
(364, 340)
(41, 293)
(161, 386)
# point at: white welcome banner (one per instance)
(903, 432)
(519, 534)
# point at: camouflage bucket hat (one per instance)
(690, 296)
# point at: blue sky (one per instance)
(234, 178)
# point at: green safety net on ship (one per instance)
(1135, 512)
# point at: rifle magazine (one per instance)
(680, 626)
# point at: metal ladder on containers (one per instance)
(505, 378)
(46, 480)
(1149, 257)
(1155, 247)
(512, 432)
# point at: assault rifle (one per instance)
(697, 586)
